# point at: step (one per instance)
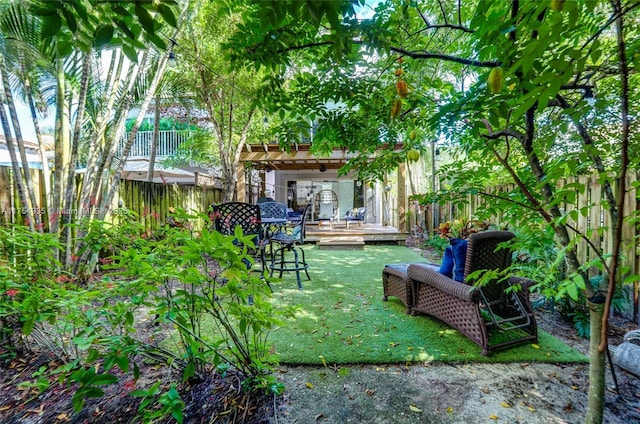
(341, 243)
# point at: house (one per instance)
(296, 177)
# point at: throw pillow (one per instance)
(446, 268)
(459, 247)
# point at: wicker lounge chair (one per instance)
(474, 310)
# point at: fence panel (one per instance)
(595, 222)
(151, 201)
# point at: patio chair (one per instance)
(326, 206)
(227, 216)
(287, 244)
(273, 210)
(355, 215)
(501, 304)
(273, 216)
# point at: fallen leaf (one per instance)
(370, 392)
(450, 409)
(409, 348)
(493, 417)
(415, 408)
(394, 344)
(574, 387)
(535, 346)
(323, 361)
(531, 409)
(62, 416)
(309, 385)
(505, 405)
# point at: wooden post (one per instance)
(241, 186)
(402, 197)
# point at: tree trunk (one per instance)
(61, 161)
(595, 408)
(46, 173)
(101, 145)
(12, 153)
(127, 148)
(69, 199)
(154, 141)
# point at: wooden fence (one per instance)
(585, 211)
(149, 201)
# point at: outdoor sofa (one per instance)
(501, 304)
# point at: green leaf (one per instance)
(145, 18)
(93, 392)
(51, 25)
(573, 291)
(71, 20)
(65, 48)
(168, 15)
(28, 325)
(102, 36)
(131, 53)
(104, 379)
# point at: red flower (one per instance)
(11, 292)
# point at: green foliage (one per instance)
(205, 283)
(89, 23)
(156, 404)
(180, 279)
(437, 243)
(166, 124)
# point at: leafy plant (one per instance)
(156, 404)
(436, 243)
(206, 281)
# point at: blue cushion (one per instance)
(446, 268)
(459, 247)
(296, 232)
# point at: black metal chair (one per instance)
(288, 243)
(227, 216)
(273, 216)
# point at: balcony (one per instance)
(168, 143)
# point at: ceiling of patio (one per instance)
(299, 158)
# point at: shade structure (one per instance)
(138, 170)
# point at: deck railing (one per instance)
(167, 145)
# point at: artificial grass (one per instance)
(343, 320)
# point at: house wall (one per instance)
(372, 197)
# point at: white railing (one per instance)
(168, 143)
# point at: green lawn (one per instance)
(342, 318)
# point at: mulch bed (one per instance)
(214, 399)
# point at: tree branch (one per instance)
(445, 57)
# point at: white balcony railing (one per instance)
(168, 143)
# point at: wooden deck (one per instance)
(369, 233)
